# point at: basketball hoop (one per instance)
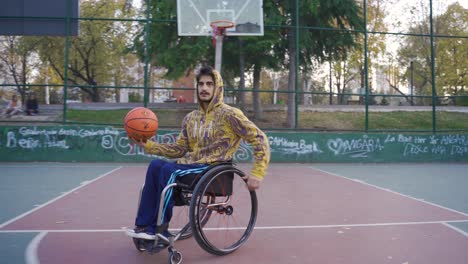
(219, 28)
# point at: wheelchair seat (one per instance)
(186, 185)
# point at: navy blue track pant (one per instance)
(160, 173)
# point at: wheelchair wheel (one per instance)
(175, 257)
(232, 208)
(139, 244)
(183, 212)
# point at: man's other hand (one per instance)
(252, 183)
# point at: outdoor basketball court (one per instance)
(308, 213)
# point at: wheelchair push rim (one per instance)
(233, 210)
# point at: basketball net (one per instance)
(219, 29)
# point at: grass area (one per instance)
(307, 120)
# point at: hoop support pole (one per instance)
(219, 52)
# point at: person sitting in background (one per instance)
(31, 105)
(13, 107)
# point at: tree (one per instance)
(95, 56)
(274, 50)
(178, 55)
(17, 54)
(351, 68)
(451, 68)
(317, 45)
(277, 48)
(254, 55)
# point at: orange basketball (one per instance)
(141, 123)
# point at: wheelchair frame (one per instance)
(197, 220)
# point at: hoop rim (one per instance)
(229, 24)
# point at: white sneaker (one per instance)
(140, 234)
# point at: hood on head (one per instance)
(218, 95)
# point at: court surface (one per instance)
(308, 213)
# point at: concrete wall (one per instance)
(108, 144)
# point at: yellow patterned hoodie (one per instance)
(214, 134)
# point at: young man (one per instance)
(32, 105)
(209, 135)
(14, 106)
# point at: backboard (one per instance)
(194, 16)
(38, 18)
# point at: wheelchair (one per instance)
(220, 210)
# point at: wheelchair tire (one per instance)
(237, 206)
(175, 257)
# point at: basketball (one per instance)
(141, 123)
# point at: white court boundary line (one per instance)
(445, 223)
(456, 229)
(31, 256)
(57, 198)
(237, 228)
(391, 191)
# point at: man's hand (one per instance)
(140, 143)
(252, 183)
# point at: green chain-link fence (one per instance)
(322, 65)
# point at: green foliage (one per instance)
(135, 98)
(462, 101)
(95, 56)
(178, 55)
(384, 101)
(451, 68)
(349, 66)
(307, 120)
(17, 61)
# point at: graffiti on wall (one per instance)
(284, 146)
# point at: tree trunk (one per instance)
(362, 97)
(257, 104)
(291, 118)
(307, 96)
(95, 97)
(330, 97)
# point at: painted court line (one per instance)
(31, 256)
(391, 191)
(456, 229)
(57, 198)
(236, 228)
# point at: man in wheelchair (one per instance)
(209, 135)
